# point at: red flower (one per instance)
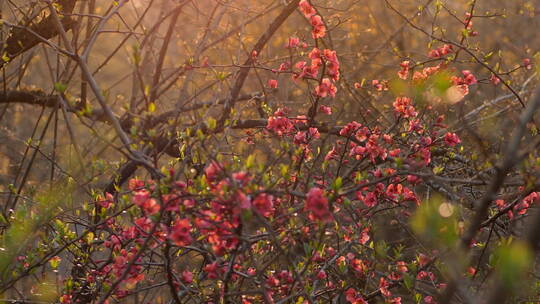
(353, 297)
(151, 206)
(144, 201)
(180, 233)
(451, 139)
(402, 266)
(272, 83)
(211, 270)
(212, 171)
(317, 205)
(396, 300)
(140, 197)
(264, 204)
(144, 223)
(383, 287)
(65, 299)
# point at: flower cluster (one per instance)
(318, 27)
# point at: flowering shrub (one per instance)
(340, 208)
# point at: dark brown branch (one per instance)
(40, 98)
(22, 39)
(510, 160)
(29, 97)
(243, 73)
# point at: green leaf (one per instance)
(338, 183)
(151, 107)
(512, 262)
(211, 123)
(436, 221)
(60, 87)
(55, 262)
(250, 161)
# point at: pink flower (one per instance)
(306, 8)
(325, 110)
(434, 54)
(151, 206)
(140, 197)
(332, 64)
(527, 63)
(321, 275)
(144, 223)
(469, 77)
(326, 88)
(106, 203)
(350, 128)
(403, 106)
(212, 171)
(446, 49)
(380, 85)
(370, 200)
(451, 139)
(293, 42)
(243, 200)
(272, 83)
(494, 80)
(439, 52)
(314, 133)
(319, 29)
(364, 236)
(285, 66)
(300, 138)
(187, 277)
(279, 124)
(404, 72)
(135, 184)
(317, 205)
(315, 56)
